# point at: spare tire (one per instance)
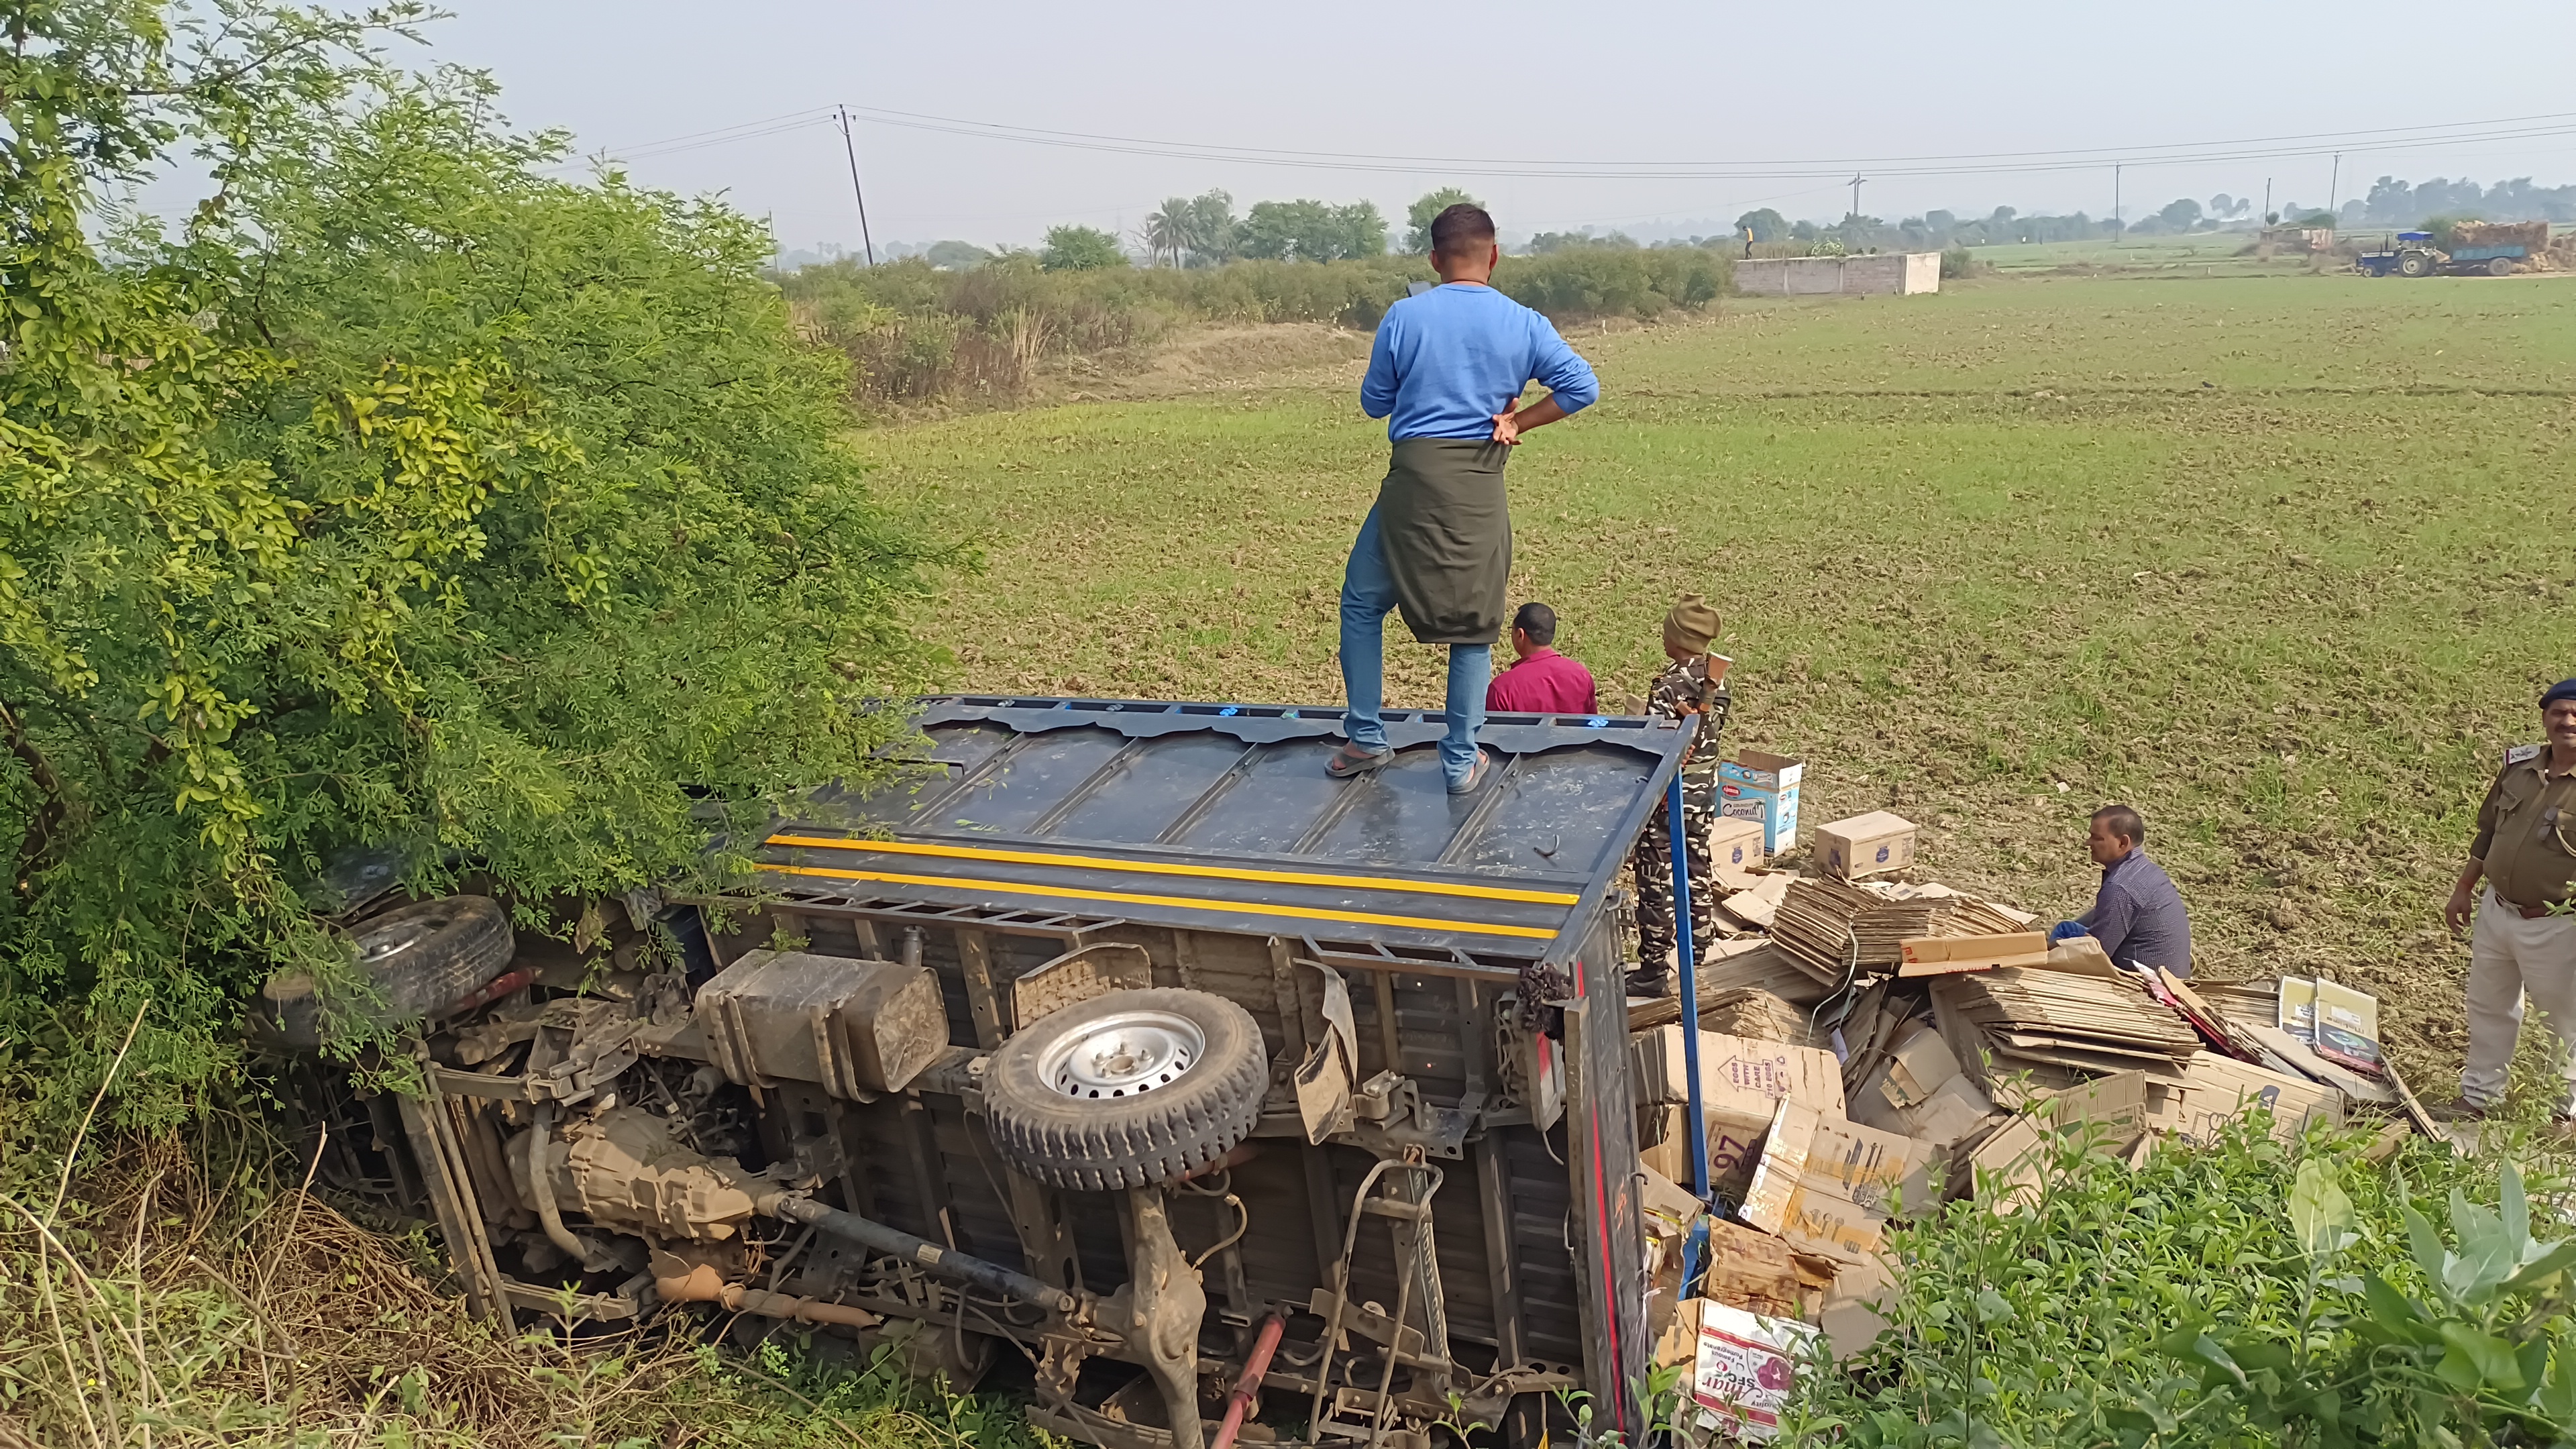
(1127, 1089)
(420, 958)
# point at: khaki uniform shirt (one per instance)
(2527, 830)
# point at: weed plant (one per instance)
(2246, 1292)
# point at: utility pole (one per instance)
(2334, 184)
(2117, 225)
(2267, 201)
(851, 149)
(1855, 186)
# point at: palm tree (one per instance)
(1167, 232)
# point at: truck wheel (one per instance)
(2414, 264)
(1127, 1089)
(420, 958)
(2500, 267)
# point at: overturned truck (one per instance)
(1114, 1034)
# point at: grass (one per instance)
(2283, 561)
(172, 1302)
(2201, 255)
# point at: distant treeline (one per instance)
(929, 327)
(2390, 202)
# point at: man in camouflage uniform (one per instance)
(1692, 684)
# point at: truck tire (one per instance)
(2415, 264)
(1128, 1089)
(422, 957)
(2500, 267)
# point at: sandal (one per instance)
(1475, 775)
(1351, 760)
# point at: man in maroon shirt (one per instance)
(1540, 681)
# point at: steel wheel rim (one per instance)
(1126, 1054)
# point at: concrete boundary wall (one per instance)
(1888, 274)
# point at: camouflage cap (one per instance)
(1691, 626)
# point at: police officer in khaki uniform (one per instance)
(2525, 941)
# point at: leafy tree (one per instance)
(1312, 231)
(404, 497)
(956, 256)
(1080, 249)
(1766, 225)
(1425, 210)
(2180, 214)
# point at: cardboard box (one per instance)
(2218, 1090)
(1752, 1271)
(1745, 1370)
(1864, 845)
(1862, 1163)
(1735, 848)
(1944, 955)
(1783, 1165)
(1953, 1114)
(1851, 1316)
(1917, 1066)
(1737, 1073)
(1827, 1224)
(1764, 787)
(1734, 1147)
(1678, 1344)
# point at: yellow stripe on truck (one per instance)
(1250, 908)
(1204, 872)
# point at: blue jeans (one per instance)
(1368, 596)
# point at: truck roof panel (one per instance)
(1220, 817)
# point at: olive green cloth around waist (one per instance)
(1444, 521)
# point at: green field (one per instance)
(2283, 561)
(2205, 254)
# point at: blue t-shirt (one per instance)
(1446, 361)
(2139, 917)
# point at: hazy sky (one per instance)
(1718, 87)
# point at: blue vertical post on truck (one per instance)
(1211, 835)
(1115, 1036)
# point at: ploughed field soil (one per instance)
(2284, 561)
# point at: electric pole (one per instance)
(851, 149)
(2334, 184)
(1855, 186)
(2117, 225)
(2267, 201)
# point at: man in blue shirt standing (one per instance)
(1446, 372)
(2137, 915)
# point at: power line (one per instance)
(2100, 155)
(1686, 172)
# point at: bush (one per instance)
(1572, 283)
(1957, 262)
(2214, 1296)
(407, 499)
(917, 333)
(1080, 249)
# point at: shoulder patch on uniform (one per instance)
(2519, 754)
